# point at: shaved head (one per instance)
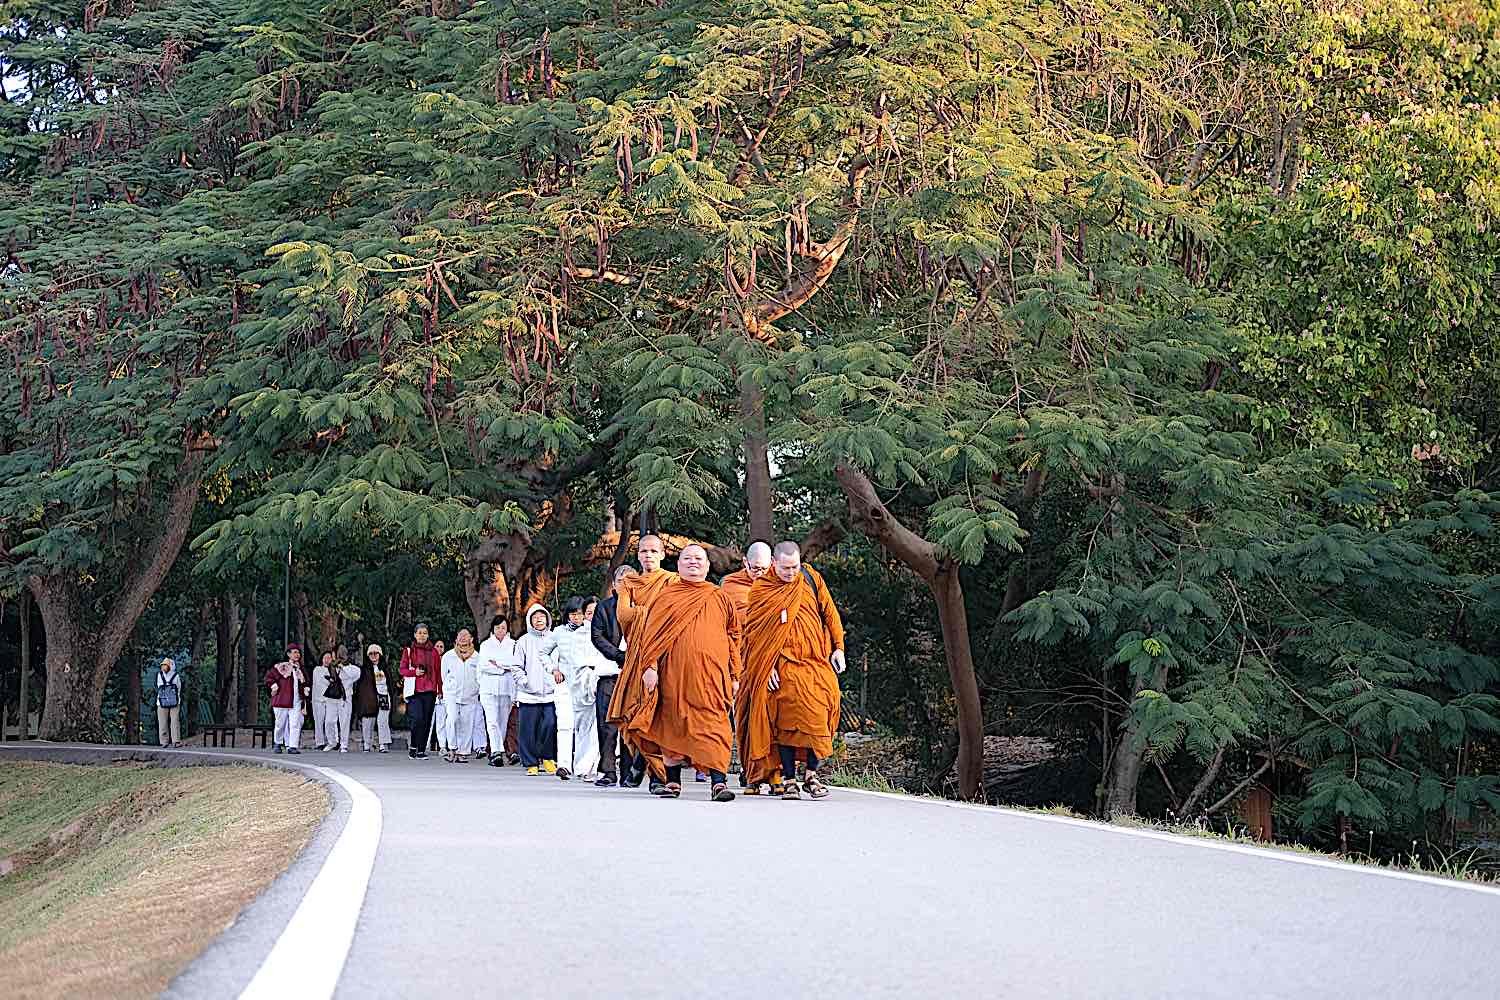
(757, 559)
(692, 564)
(649, 552)
(788, 561)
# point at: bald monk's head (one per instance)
(692, 564)
(787, 559)
(649, 553)
(757, 560)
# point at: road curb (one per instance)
(293, 938)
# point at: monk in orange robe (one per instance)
(789, 701)
(737, 584)
(637, 593)
(681, 667)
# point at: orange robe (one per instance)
(736, 587)
(692, 638)
(794, 628)
(636, 594)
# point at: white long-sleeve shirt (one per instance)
(580, 661)
(460, 678)
(496, 680)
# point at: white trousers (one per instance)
(585, 740)
(367, 727)
(496, 719)
(320, 707)
(288, 730)
(336, 722)
(477, 727)
(460, 720)
(440, 727)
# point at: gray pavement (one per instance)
(491, 883)
(488, 883)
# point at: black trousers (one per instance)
(609, 734)
(538, 735)
(419, 709)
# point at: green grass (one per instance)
(38, 799)
(119, 874)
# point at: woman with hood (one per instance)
(578, 659)
(461, 695)
(372, 701)
(421, 667)
(533, 659)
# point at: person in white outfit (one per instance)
(440, 713)
(461, 694)
(372, 700)
(322, 675)
(577, 746)
(497, 687)
(341, 710)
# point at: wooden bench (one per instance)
(217, 734)
(260, 736)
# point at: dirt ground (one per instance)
(113, 877)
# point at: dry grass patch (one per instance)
(120, 874)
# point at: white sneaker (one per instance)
(343, 749)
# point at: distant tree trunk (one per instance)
(81, 653)
(758, 495)
(249, 699)
(1130, 753)
(919, 555)
(132, 698)
(24, 607)
(226, 632)
(328, 631)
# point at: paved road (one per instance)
(490, 883)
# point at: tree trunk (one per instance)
(328, 631)
(250, 669)
(941, 575)
(487, 594)
(132, 699)
(758, 496)
(80, 657)
(224, 635)
(1130, 753)
(24, 606)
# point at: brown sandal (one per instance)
(791, 791)
(814, 787)
(721, 793)
(671, 790)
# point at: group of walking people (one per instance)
(669, 671)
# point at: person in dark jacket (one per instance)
(420, 664)
(372, 702)
(288, 685)
(608, 640)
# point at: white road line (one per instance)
(308, 958)
(1269, 853)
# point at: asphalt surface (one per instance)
(489, 882)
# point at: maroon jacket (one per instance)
(426, 657)
(282, 696)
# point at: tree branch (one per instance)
(870, 516)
